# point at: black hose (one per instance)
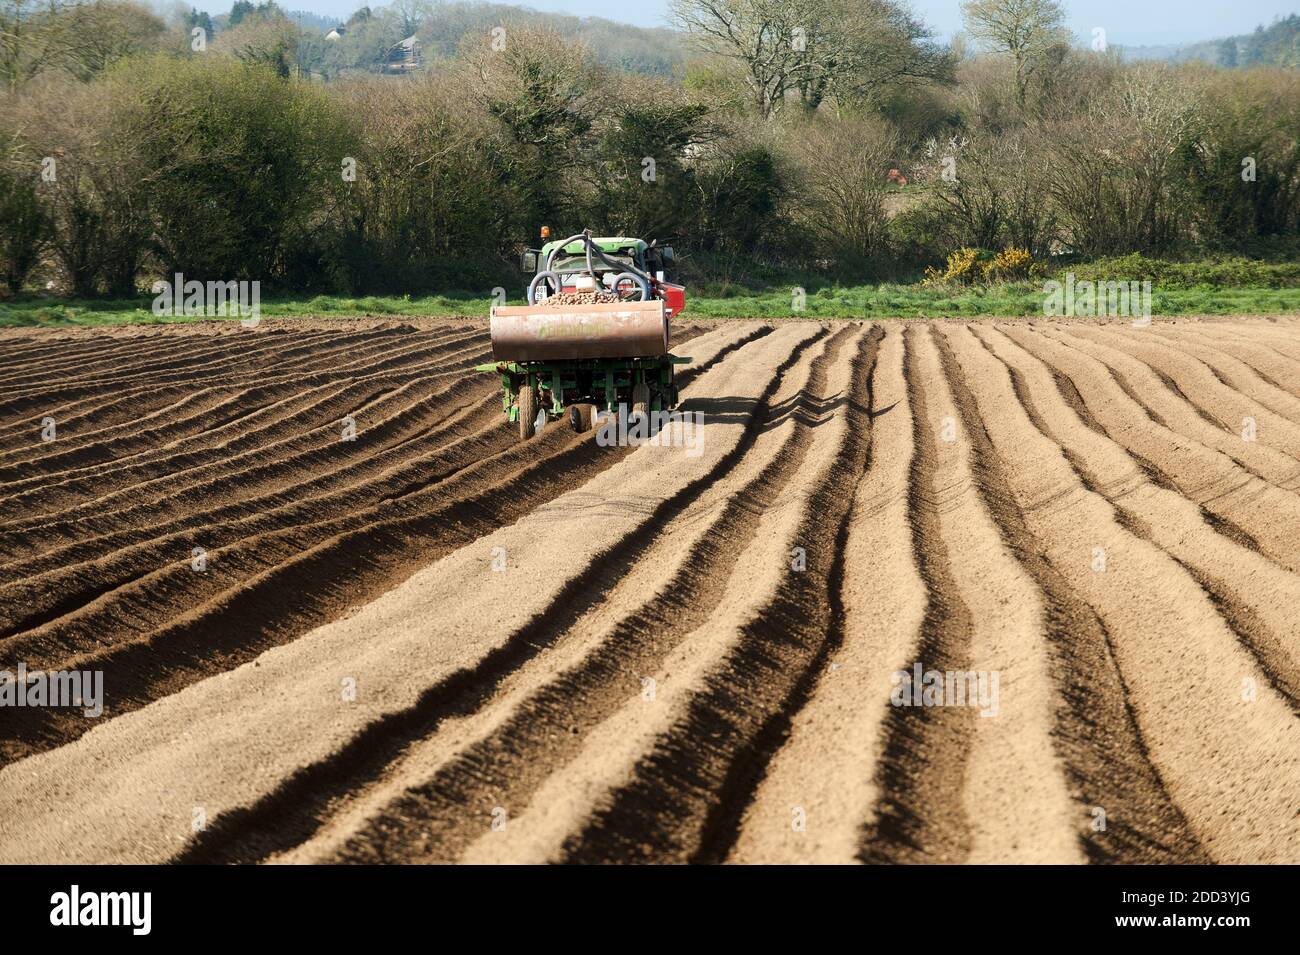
(589, 247)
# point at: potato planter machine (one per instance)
(593, 336)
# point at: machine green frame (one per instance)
(612, 376)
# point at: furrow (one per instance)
(313, 412)
(575, 664)
(1226, 408)
(1171, 410)
(1266, 514)
(452, 617)
(693, 763)
(823, 776)
(1230, 767)
(259, 482)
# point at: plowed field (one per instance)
(343, 615)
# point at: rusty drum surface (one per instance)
(614, 330)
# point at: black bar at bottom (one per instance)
(1226, 904)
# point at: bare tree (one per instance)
(758, 33)
(106, 31)
(1027, 30)
(33, 38)
(856, 49)
(844, 184)
(81, 38)
(410, 14)
(266, 41)
(814, 48)
(1113, 175)
(546, 94)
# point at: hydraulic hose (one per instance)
(590, 248)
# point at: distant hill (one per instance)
(305, 20)
(312, 21)
(1275, 45)
(635, 49)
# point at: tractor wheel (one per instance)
(580, 417)
(527, 412)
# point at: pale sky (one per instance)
(1127, 22)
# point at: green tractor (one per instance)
(593, 336)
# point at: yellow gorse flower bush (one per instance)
(965, 266)
(961, 269)
(1008, 265)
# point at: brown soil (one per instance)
(432, 642)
